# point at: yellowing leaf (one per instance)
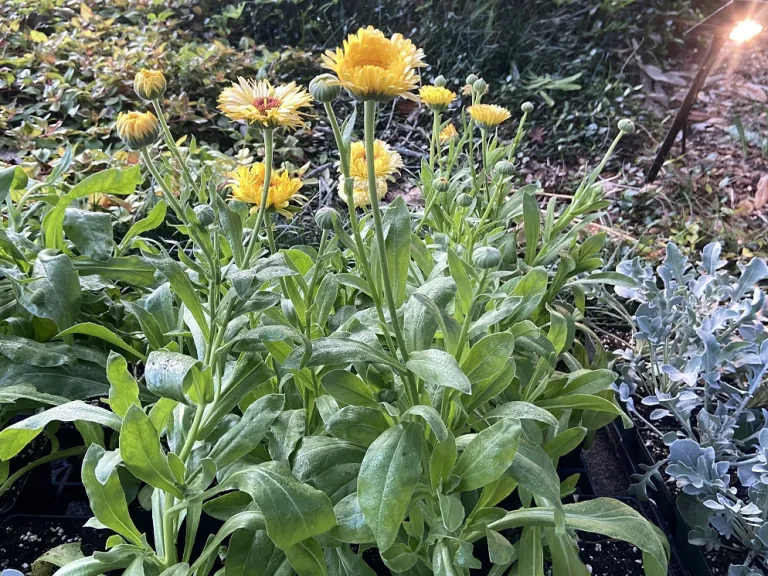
(37, 36)
(85, 12)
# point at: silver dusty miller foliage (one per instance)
(699, 359)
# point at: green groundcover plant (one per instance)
(394, 388)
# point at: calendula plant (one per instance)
(392, 388)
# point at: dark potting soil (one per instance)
(718, 561)
(34, 450)
(605, 470)
(23, 539)
(659, 451)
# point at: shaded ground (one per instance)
(717, 189)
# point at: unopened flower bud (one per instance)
(441, 184)
(471, 79)
(326, 217)
(505, 168)
(464, 200)
(205, 214)
(440, 81)
(626, 125)
(138, 129)
(527, 107)
(324, 88)
(479, 86)
(486, 257)
(149, 84)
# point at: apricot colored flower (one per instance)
(488, 115)
(448, 133)
(138, 129)
(436, 97)
(371, 66)
(258, 102)
(247, 183)
(387, 162)
(360, 194)
(149, 84)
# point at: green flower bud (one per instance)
(471, 79)
(486, 257)
(324, 88)
(441, 184)
(138, 129)
(440, 81)
(205, 214)
(480, 86)
(464, 200)
(326, 217)
(626, 125)
(149, 84)
(527, 107)
(504, 167)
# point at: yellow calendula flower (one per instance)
(247, 183)
(448, 133)
(373, 67)
(138, 129)
(436, 97)
(387, 162)
(360, 194)
(488, 115)
(258, 102)
(149, 84)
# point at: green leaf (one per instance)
(12, 394)
(441, 461)
(123, 390)
(533, 470)
(388, 477)
(12, 178)
(460, 276)
(15, 437)
(43, 354)
(532, 224)
(580, 402)
(341, 561)
(350, 522)
(431, 417)
(244, 436)
(133, 270)
(90, 232)
(183, 288)
(451, 511)
(488, 357)
(522, 411)
(438, 368)
(349, 389)
(589, 381)
(55, 291)
(232, 226)
(565, 442)
(178, 377)
(252, 553)
(306, 558)
(142, 454)
(500, 550)
(103, 333)
(110, 181)
(242, 521)
(325, 299)
(488, 455)
(396, 222)
(531, 561)
(611, 278)
(604, 516)
(558, 330)
(152, 221)
(292, 511)
(107, 499)
(565, 555)
(328, 464)
(357, 424)
(419, 323)
(334, 351)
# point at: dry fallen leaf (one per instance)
(752, 91)
(761, 194)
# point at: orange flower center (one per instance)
(265, 104)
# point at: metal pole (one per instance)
(685, 109)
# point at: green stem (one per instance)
(312, 282)
(192, 435)
(370, 112)
(173, 202)
(361, 259)
(463, 337)
(433, 140)
(171, 143)
(58, 455)
(268, 154)
(484, 152)
(169, 534)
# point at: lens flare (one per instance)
(745, 31)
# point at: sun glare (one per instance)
(745, 31)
